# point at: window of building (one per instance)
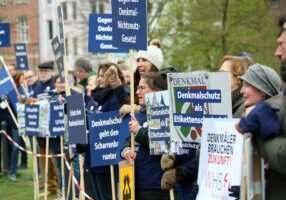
(97, 6)
(23, 29)
(3, 2)
(21, 1)
(3, 19)
(65, 11)
(93, 6)
(75, 46)
(49, 2)
(67, 46)
(50, 29)
(74, 10)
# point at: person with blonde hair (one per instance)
(237, 66)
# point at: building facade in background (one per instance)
(22, 16)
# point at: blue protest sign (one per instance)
(104, 137)
(129, 24)
(57, 122)
(21, 56)
(100, 34)
(61, 29)
(56, 46)
(4, 35)
(76, 119)
(6, 85)
(32, 119)
(124, 134)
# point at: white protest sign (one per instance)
(221, 159)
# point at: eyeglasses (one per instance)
(140, 88)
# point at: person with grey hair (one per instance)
(82, 68)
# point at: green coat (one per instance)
(274, 152)
(238, 108)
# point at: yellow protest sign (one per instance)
(126, 174)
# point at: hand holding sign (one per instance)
(130, 156)
(133, 125)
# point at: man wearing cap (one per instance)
(43, 90)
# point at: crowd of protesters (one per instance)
(257, 98)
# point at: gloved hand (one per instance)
(234, 191)
(169, 179)
(168, 161)
(112, 76)
(126, 109)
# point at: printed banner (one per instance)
(194, 96)
(57, 122)
(21, 118)
(158, 119)
(104, 137)
(100, 35)
(21, 56)
(5, 35)
(221, 159)
(6, 85)
(32, 119)
(44, 118)
(76, 119)
(129, 24)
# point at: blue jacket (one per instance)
(107, 102)
(44, 90)
(148, 170)
(262, 120)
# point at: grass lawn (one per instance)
(22, 188)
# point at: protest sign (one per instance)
(21, 118)
(104, 137)
(158, 119)
(56, 46)
(221, 159)
(32, 119)
(6, 85)
(21, 56)
(44, 118)
(76, 119)
(194, 96)
(129, 24)
(100, 35)
(61, 29)
(4, 35)
(57, 120)
(126, 181)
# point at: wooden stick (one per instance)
(112, 182)
(15, 120)
(36, 168)
(172, 195)
(11, 78)
(46, 168)
(62, 167)
(69, 185)
(12, 114)
(81, 176)
(132, 94)
(245, 163)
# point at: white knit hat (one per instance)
(153, 54)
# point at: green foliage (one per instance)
(193, 34)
